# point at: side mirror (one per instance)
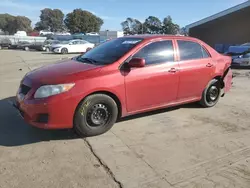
(137, 62)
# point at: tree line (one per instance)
(151, 25)
(53, 20)
(80, 20)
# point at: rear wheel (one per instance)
(0, 47)
(211, 94)
(95, 115)
(26, 48)
(64, 51)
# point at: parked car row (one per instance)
(54, 46)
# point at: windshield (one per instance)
(111, 51)
(63, 42)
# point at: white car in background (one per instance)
(72, 46)
(92, 33)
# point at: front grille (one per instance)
(24, 89)
(52, 49)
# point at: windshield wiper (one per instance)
(92, 61)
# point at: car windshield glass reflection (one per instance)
(111, 51)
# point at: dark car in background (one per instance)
(24, 45)
(241, 61)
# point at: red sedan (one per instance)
(121, 77)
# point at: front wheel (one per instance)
(95, 115)
(211, 94)
(64, 51)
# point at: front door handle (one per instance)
(209, 65)
(173, 70)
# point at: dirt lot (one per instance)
(181, 147)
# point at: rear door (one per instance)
(83, 46)
(73, 47)
(196, 69)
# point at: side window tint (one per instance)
(189, 50)
(205, 53)
(157, 52)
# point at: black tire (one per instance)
(86, 122)
(64, 51)
(211, 94)
(0, 47)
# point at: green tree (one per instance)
(132, 26)
(169, 27)
(51, 20)
(23, 23)
(184, 31)
(6, 21)
(11, 24)
(83, 21)
(153, 25)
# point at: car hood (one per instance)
(59, 45)
(61, 72)
(238, 49)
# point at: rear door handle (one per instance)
(173, 70)
(209, 65)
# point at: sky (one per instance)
(113, 12)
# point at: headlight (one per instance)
(49, 90)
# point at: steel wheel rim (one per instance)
(213, 94)
(98, 115)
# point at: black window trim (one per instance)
(201, 45)
(205, 49)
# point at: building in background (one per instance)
(104, 35)
(225, 28)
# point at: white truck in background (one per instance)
(21, 33)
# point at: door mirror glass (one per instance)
(136, 62)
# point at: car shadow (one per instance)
(160, 111)
(15, 132)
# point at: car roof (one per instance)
(150, 36)
(76, 40)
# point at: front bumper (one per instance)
(44, 115)
(57, 50)
(55, 112)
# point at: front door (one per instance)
(155, 84)
(196, 69)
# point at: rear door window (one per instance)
(190, 50)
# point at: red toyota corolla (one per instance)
(121, 77)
